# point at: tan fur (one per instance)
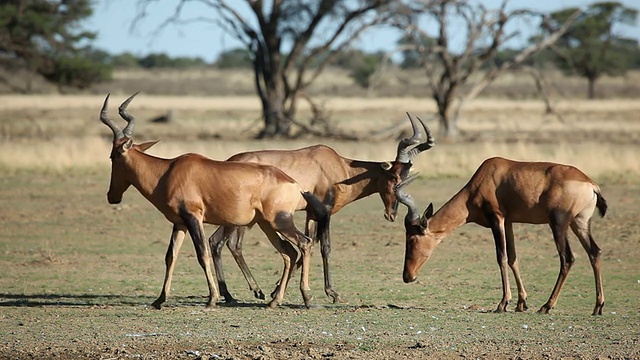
(502, 192)
(318, 169)
(223, 193)
(190, 190)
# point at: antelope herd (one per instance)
(338, 180)
(267, 187)
(190, 190)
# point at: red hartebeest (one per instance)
(321, 170)
(191, 190)
(502, 192)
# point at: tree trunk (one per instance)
(270, 88)
(448, 123)
(276, 121)
(448, 127)
(591, 94)
(276, 124)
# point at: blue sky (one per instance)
(112, 21)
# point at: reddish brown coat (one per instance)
(502, 192)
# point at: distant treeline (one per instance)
(351, 60)
(47, 39)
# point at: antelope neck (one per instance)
(450, 216)
(360, 182)
(145, 171)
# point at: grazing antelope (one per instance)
(191, 190)
(321, 170)
(503, 192)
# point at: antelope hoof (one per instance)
(274, 292)
(260, 295)
(157, 304)
(522, 306)
(228, 298)
(545, 309)
(306, 296)
(502, 308)
(598, 309)
(211, 304)
(273, 304)
(333, 295)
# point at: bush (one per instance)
(78, 72)
(125, 61)
(363, 72)
(236, 58)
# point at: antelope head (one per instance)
(398, 170)
(420, 242)
(122, 144)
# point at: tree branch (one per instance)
(490, 76)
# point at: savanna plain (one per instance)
(78, 275)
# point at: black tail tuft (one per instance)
(601, 203)
(321, 213)
(319, 210)
(329, 200)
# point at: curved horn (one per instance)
(428, 144)
(131, 121)
(403, 152)
(406, 199)
(117, 133)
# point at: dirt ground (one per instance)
(78, 275)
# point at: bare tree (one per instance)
(448, 70)
(291, 42)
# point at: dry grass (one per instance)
(444, 160)
(58, 132)
(80, 273)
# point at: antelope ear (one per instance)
(127, 145)
(428, 213)
(146, 145)
(386, 165)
